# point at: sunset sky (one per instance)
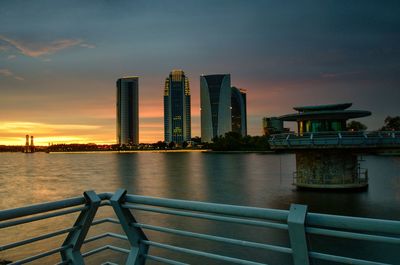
(59, 60)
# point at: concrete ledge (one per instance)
(354, 186)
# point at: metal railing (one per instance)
(345, 139)
(299, 225)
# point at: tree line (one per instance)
(390, 124)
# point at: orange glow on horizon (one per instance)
(13, 133)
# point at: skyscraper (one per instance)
(177, 124)
(239, 113)
(215, 101)
(128, 110)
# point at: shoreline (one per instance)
(164, 151)
(133, 151)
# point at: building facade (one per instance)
(177, 122)
(323, 118)
(272, 125)
(215, 102)
(239, 112)
(128, 111)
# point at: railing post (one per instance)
(83, 222)
(297, 234)
(135, 235)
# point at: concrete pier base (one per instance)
(329, 169)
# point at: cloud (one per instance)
(89, 46)
(11, 56)
(7, 73)
(336, 75)
(18, 127)
(3, 48)
(37, 50)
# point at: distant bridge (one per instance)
(337, 140)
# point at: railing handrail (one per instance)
(40, 208)
(243, 211)
(338, 139)
(227, 209)
(46, 207)
(297, 221)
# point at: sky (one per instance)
(59, 60)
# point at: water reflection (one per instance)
(127, 170)
(244, 179)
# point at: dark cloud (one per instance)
(284, 52)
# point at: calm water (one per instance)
(261, 180)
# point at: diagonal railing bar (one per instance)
(135, 235)
(76, 238)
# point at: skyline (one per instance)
(57, 75)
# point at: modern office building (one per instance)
(239, 112)
(177, 123)
(128, 110)
(215, 102)
(272, 125)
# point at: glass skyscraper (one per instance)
(239, 113)
(128, 111)
(215, 101)
(177, 123)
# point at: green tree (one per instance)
(356, 126)
(160, 145)
(196, 139)
(171, 145)
(391, 124)
(232, 141)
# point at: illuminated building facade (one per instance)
(177, 123)
(128, 111)
(215, 101)
(239, 113)
(323, 118)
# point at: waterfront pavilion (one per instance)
(323, 118)
(326, 155)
